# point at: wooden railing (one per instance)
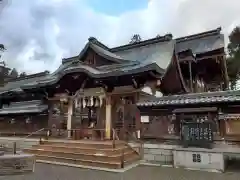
(21, 133)
(25, 138)
(89, 133)
(137, 143)
(84, 133)
(114, 137)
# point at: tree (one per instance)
(136, 38)
(2, 48)
(233, 59)
(23, 74)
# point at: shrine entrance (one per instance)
(94, 113)
(127, 117)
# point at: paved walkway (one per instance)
(54, 172)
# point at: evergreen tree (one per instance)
(136, 38)
(23, 74)
(233, 60)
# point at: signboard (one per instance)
(197, 134)
(145, 119)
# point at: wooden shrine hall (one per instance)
(99, 88)
(94, 95)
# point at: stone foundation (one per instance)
(199, 158)
(7, 143)
(14, 164)
(157, 154)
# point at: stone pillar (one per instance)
(69, 120)
(108, 123)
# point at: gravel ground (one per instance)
(54, 172)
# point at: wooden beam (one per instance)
(190, 75)
(135, 84)
(155, 75)
(211, 57)
(225, 73)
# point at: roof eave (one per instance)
(150, 67)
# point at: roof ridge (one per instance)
(29, 76)
(200, 93)
(167, 37)
(65, 60)
(199, 35)
(98, 43)
(91, 40)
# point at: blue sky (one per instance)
(117, 7)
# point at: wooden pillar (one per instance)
(50, 114)
(190, 75)
(226, 78)
(108, 123)
(69, 120)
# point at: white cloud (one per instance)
(39, 33)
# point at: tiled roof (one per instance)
(201, 44)
(35, 106)
(197, 43)
(160, 53)
(150, 55)
(155, 40)
(228, 116)
(194, 98)
(15, 84)
(97, 72)
(100, 49)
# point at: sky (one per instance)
(39, 33)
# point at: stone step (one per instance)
(134, 158)
(101, 164)
(83, 156)
(87, 144)
(88, 150)
(93, 163)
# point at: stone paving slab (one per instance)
(54, 172)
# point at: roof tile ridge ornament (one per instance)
(199, 35)
(167, 37)
(97, 42)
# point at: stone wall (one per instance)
(157, 154)
(7, 142)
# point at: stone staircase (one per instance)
(100, 154)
